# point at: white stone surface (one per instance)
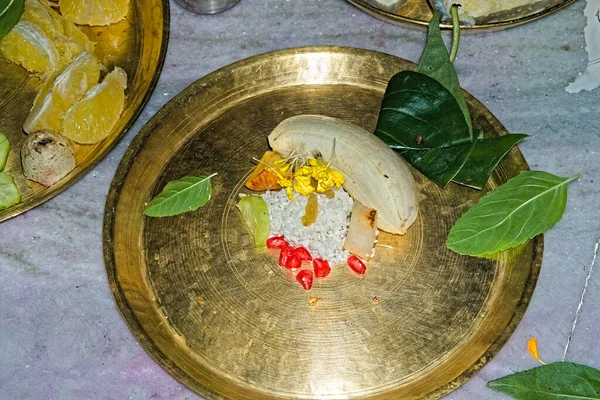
(61, 335)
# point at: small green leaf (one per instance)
(508, 216)
(436, 64)
(4, 149)
(10, 13)
(9, 192)
(186, 194)
(556, 381)
(484, 158)
(415, 104)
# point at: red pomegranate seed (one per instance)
(321, 267)
(276, 242)
(284, 255)
(305, 278)
(303, 254)
(293, 262)
(357, 265)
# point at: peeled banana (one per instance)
(374, 174)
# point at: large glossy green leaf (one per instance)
(185, 194)
(10, 13)
(436, 64)
(556, 381)
(415, 104)
(425, 117)
(4, 149)
(484, 158)
(440, 165)
(508, 216)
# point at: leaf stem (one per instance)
(455, 31)
(574, 177)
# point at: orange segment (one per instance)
(72, 32)
(94, 12)
(45, 116)
(67, 50)
(94, 117)
(54, 25)
(26, 44)
(39, 14)
(57, 96)
(81, 75)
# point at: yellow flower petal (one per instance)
(532, 347)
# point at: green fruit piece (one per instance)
(256, 216)
(4, 149)
(9, 193)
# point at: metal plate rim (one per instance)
(395, 19)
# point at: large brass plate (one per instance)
(227, 321)
(137, 44)
(419, 12)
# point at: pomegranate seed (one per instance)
(305, 278)
(321, 267)
(303, 254)
(357, 265)
(293, 262)
(284, 255)
(276, 242)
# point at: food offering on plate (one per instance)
(323, 193)
(473, 11)
(79, 101)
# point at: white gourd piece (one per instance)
(46, 157)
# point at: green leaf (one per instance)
(10, 13)
(508, 216)
(415, 104)
(440, 165)
(556, 381)
(484, 158)
(4, 149)
(425, 117)
(9, 193)
(436, 64)
(186, 194)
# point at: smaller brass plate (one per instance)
(138, 44)
(228, 322)
(419, 12)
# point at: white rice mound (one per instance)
(325, 237)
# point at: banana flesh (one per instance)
(374, 174)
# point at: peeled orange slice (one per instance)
(57, 96)
(94, 117)
(26, 44)
(67, 50)
(94, 12)
(73, 33)
(45, 116)
(67, 38)
(39, 14)
(81, 75)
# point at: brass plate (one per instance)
(228, 322)
(419, 12)
(137, 44)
